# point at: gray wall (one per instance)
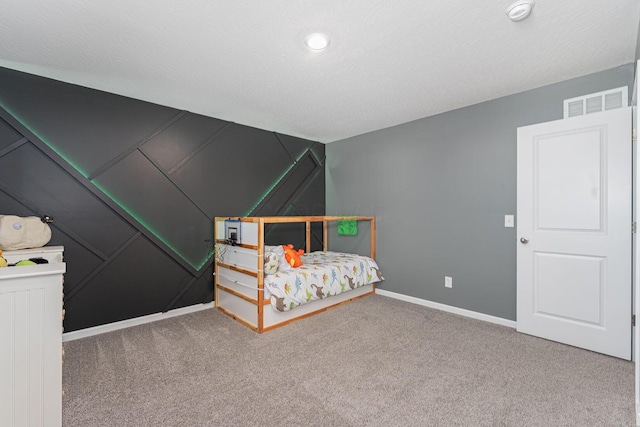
(440, 188)
(638, 45)
(134, 187)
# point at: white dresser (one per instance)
(31, 339)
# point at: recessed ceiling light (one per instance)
(317, 41)
(520, 10)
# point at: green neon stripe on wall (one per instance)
(264, 196)
(48, 144)
(85, 174)
(24, 123)
(154, 232)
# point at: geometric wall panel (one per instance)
(288, 185)
(8, 135)
(132, 276)
(175, 144)
(240, 164)
(159, 205)
(197, 292)
(85, 262)
(306, 202)
(104, 125)
(35, 177)
(134, 187)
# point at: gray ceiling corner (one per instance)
(387, 63)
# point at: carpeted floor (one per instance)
(374, 362)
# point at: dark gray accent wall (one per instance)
(134, 188)
(440, 188)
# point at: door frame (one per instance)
(635, 277)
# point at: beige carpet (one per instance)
(373, 362)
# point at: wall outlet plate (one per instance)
(448, 282)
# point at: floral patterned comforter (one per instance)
(321, 275)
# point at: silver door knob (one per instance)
(524, 240)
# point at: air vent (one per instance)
(576, 108)
(596, 102)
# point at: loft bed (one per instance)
(254, 287)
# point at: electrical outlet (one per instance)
(448, 282)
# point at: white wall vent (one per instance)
(596, 102)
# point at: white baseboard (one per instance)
(448, 308)
(96, 330)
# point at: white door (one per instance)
(574, 231)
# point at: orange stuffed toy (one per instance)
(292, 256)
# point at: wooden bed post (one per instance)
(215, 257)
(325, 235)
(373, 237)
(308, 242)
(260, 273)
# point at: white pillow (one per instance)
(271, 263)
(279, 251)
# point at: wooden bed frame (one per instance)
(239, 275)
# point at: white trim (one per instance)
(109, 327)
(448, 308)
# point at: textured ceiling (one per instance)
(389, 62)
